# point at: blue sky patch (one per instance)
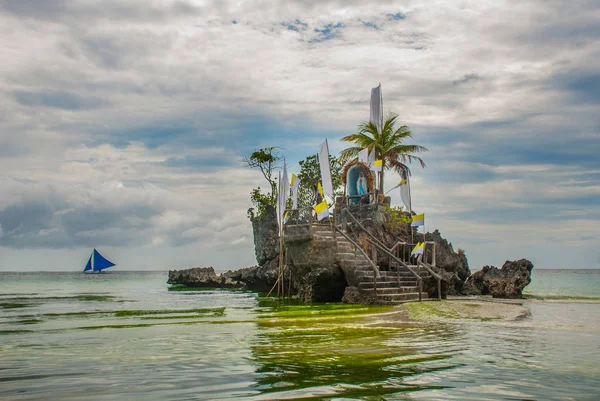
(370, 24)
(396, 16)
(296, 25)
(328, 32)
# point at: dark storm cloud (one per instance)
(584, 87)
(73, 11)
(54, 222)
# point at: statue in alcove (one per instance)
(358, 182)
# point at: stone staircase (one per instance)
(391, 287)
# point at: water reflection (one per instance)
(317, 351)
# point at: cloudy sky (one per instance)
(123, 123)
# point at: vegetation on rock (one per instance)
(267, 161)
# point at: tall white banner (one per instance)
(363, 156)
(405, 194)
(325, 169)
(284, 191)
(376, 107)
(279, 197)
(371, 158)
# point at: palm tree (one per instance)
(388, 145)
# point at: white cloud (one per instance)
(142, 110)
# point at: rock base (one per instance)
(507, 282)
(202, 277)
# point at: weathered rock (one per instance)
(255, 278)
(507, 282)
(318, 283)
(266, 236)
(201, 277)
(448, 282)
(454, 264)
(315, 272)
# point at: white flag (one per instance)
(285, 185)
(405, 194)
(376, 107)
(363, 156)
(279, 197)
(284, 191)
(325, 169)
(371, 158)
(322, 210)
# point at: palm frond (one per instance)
(350, 153)
(388, 144)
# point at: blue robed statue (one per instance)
(356, 177)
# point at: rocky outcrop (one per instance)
(507, 282)
(312, 263)
(202, 277)
(266, 236)
(255, 278)
(451, 265)
(318, 283)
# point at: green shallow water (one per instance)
(125, 336)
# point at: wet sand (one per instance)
(454, 309)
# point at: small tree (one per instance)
(388, 145)
(310, 175)
(266, 160)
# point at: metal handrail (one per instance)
(384, 249)
(379, 245)
(398, 243)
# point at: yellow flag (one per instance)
(418, 220)
(414, 251)
(320, 187)
(418, 249)
(377, 165)
(322, 210)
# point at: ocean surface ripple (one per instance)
(124, 335)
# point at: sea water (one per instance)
(125, 336)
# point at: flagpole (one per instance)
(381, 133)
(279, 215)
(409, 201)
(381, 102)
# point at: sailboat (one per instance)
(97, 263)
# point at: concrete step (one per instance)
(321, 228)
(351, 255)
(391, 291)
(387, 284)
(401, 274)
(382, 279)
(385, 273)
(320, 238)
(404, 297)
